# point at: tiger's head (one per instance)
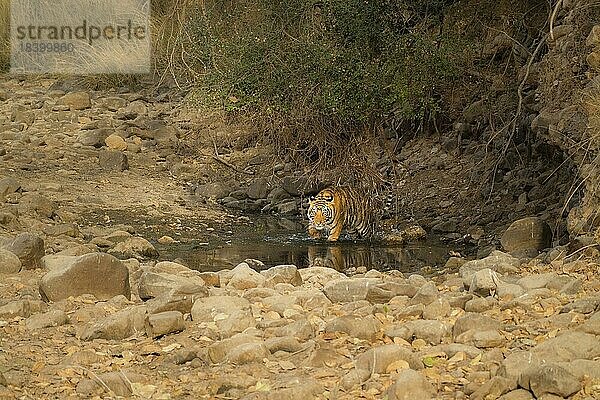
(322, 210)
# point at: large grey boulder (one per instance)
(99, 274)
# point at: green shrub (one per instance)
(314, 76)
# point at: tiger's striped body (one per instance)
(335, 208)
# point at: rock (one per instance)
(537, 281)
(508, 291)
(41, 205)
(179, 298)
(21, 308)
(519, 394)
(9, 262)
(113, 103)
(214, 191)
(476, 322)
(583, 306)
(497, 261)
(247, 353)
(121, 325)
(346, 290)
(99, 274)
(161, 284)
(300, 329)
(429, 330)
(244, 277)
(483, 282)
(115, 142)
(8, 185)
(95, 138)
(569, 346)
(410, 385)
(377, 359)
(493, 388)
(29, 248)
(282, 274)
(217, 352)
(258, 189)
(206, 309)
(48, 319)
(354, 378)
(235, 321)
(118, 383)
(529, 233)
(481, 338)
(438, 308)
(76, 100)
(550, 378)
(134, 247)
(62, 229)
(288, 344)
(365, 328)
(299, 185)
(113, 160)
(133, 109)
(426, 294)
(164, 323)
(478, 305)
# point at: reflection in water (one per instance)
(302, 253)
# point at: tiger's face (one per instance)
(322, 210)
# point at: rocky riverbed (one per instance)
(87, 311)
(92, 326)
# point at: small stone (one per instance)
(244, 277)
(121, 325)
(205, 309)
(116, 142)
(346, 290)
(365, 328)
(377, 359)
(300, 329)
(166, 240)
(410, 385)
(9, 262)
(217, 352)
(76, 100)
(164, 323)
(48, 319)
(95, 138)
(134, 247)
(29, 248)
(483, 282)
(21, 308)
(247, 353)
(474, 321)
(113, 160)
(478, 305)
(282, 274)
(8, 185)
(426, 294)
(519, 394)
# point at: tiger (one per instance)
(334, 208)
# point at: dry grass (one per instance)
(4, 35)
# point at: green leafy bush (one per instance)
(310, 74)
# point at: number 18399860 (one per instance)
(43, 47)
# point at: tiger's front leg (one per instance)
(335, 233)
(313, 232)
